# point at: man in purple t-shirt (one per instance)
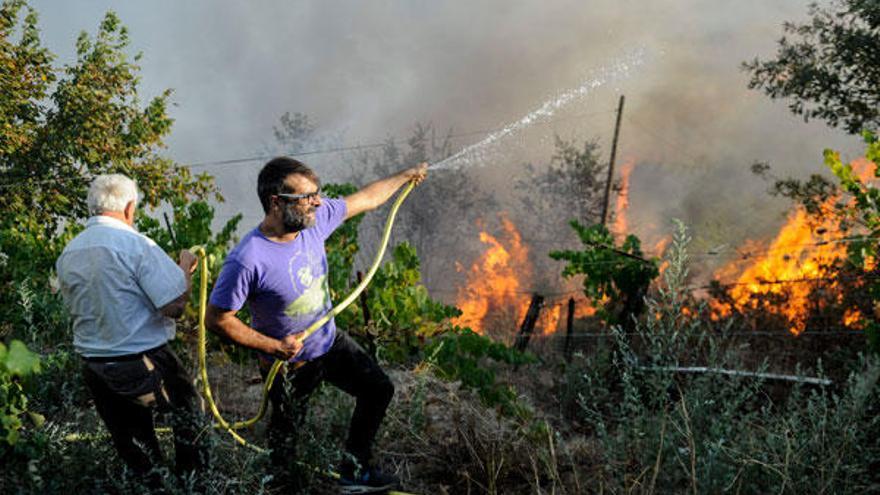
(280, 270)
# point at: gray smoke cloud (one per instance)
(369, 70)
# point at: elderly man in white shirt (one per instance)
(123, 292)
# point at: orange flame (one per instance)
(620, 226)
(548, 320)
(852, 318)
(797, 253)
(494, 280)
(496, 298)
(659, 249)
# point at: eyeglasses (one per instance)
(309, 197)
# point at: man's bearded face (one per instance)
(296, 217)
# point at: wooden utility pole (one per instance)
(611, 163)
(528, 324)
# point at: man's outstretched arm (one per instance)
(377, 193)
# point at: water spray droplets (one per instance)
(477, 152)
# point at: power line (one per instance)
(339, 149)
(674, 147)
(375, 145)
(866, 276)
(746, 255)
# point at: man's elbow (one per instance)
(211, 318)
(214, 320)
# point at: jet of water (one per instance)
(476, 152)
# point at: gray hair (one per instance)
(111, 192)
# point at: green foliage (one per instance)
(827, 67)
(342, 245)
(403, 314)
(464, 355)
(16, 362)
(863, 212)
(60, 126)
(27, 260)
(191, 226)
(91, 123)
(608, 272)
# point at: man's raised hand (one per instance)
(418, 173)
(187, 261)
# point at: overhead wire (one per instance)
(676, 147)
(338, 149)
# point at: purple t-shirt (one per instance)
(284, 283)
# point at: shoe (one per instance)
(370, 480)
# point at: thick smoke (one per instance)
(367, 71)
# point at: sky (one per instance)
(368, 71)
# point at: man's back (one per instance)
(114, 280)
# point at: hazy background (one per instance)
(368, 71)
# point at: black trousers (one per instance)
(127, 391)
(346, 366)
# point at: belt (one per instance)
(122, 357)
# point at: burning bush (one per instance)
(819, 271)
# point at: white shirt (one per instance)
(114, 280)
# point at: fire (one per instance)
(552, 316)
(548, 320)
(659, 249)
(494, 280)
(798, 253)
(584, 310)
(620, 226)
(496, 297)
(852, 318)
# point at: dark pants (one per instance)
(127, 391)
(346, 366)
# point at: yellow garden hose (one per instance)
(276, 366)
(273, 372)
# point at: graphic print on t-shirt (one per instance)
(308, 278)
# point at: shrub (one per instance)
(464, 355)
(17, 362)
(660, 431)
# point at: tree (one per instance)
(443, 208)
(619, 276)
(575, 174)
(570, 187)
(59, 127)
(62, 126)
(297, 133)
(830, 68)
